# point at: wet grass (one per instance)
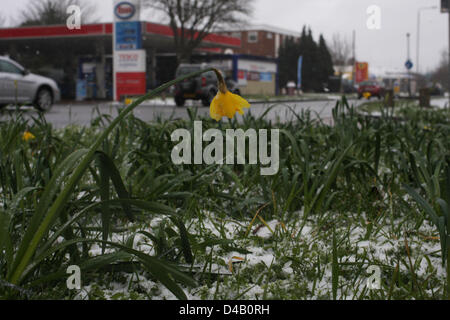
(359, 193)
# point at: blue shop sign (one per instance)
(265, 77)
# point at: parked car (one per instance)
(348, 86)
(18, 85)
(203, 87)
(375, 89)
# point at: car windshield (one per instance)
(368, 83)
(186, 70)
(8, 67)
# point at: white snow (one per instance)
(440, 103)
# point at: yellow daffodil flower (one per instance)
(367, 95)
(226, 104)
(27, 136)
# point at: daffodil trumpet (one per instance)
(27, 136)
(225, 103)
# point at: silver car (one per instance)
(19, 86)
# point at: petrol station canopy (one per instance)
(155, 36)
(83, 58)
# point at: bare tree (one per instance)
(192, 20)
(48, 12)
(3, 21)
(341, 50)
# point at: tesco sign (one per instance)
(124, 10)
(130, 61)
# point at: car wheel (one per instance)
(180, 101)
(2, 106)
(44, 100)
(237, 91)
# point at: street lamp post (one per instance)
(445, 8)
(408, 35)
(418, 34)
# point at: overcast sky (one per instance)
(381, 48)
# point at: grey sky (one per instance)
(381, 48)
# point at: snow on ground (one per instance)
(169, 102)
(271, 253)
(440, 103)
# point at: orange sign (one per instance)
(362, 72)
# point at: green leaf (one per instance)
(185, 244)
(110, 169)
(38, 229)
(104, 196)
(424, 204)
(36, 223)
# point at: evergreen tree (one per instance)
(325, 61)
(317, 62)
(288, 57)
(308, 49)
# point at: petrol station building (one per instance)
(91, 47)
(82, 61)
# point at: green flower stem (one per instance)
(63, 197)
(448, 268)
(221, 82)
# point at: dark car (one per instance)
(375, 89)
(203, 87)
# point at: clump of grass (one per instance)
(338, 186)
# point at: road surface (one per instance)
(62, 115)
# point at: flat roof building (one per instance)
(260, 40)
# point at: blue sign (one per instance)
(128, 35)
(265, 77)
(81, 88)
(409, 65)
(299, 72)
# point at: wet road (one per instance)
(62, 115)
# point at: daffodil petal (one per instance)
(215, 109)
(226, 105)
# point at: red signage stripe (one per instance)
(214, 50)
(102, 29)
(51, 31)
(108, 28)
(159, 29)
(216, 38)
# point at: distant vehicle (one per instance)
(436, 89)
(203, 87)
(18, 85)
(375, 89)
(348, 86)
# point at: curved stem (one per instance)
(221, 82)
(63, 197)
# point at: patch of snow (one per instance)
(265, 232)
(440, 103)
